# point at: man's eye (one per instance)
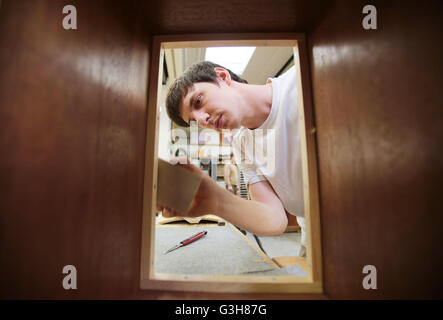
(198, 101)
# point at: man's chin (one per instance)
(231, 125)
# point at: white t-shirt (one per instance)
(279, 135)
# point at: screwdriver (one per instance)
(188, 240)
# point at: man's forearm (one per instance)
(253, 216)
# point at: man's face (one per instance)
(212, 106)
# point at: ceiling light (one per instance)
(233, 58)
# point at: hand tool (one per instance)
(188, 240)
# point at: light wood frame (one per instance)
(313, 282)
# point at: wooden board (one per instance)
(291, 261)
(208, 217)
(260, 252)
(176, 186)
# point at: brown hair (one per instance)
(198, 72)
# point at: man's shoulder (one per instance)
(288, 73)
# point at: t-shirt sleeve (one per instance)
(251, 174)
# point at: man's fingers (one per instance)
(168, 212)
(191, 168)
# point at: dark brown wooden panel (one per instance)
(72, 140)
(232, 16)
(378, 105)
(72, 126)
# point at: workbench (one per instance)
(223, 251)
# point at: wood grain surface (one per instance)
(73, 108)
(176, 186)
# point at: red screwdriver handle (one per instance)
(193, 238)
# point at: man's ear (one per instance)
(223, 74)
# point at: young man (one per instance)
(230, 175)
(267, 115)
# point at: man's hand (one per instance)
(265, 215)
(205, 201)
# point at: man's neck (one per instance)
(258, 104)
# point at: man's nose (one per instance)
(202, 118)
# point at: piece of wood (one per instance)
(226, 40)
(177, 186)
(232, 284)
(309, 163)
(208, 217)
(293, 229)
(151, 160)
(264, 255)
(292, 223)
(288, 261)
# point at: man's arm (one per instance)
(264, 215)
